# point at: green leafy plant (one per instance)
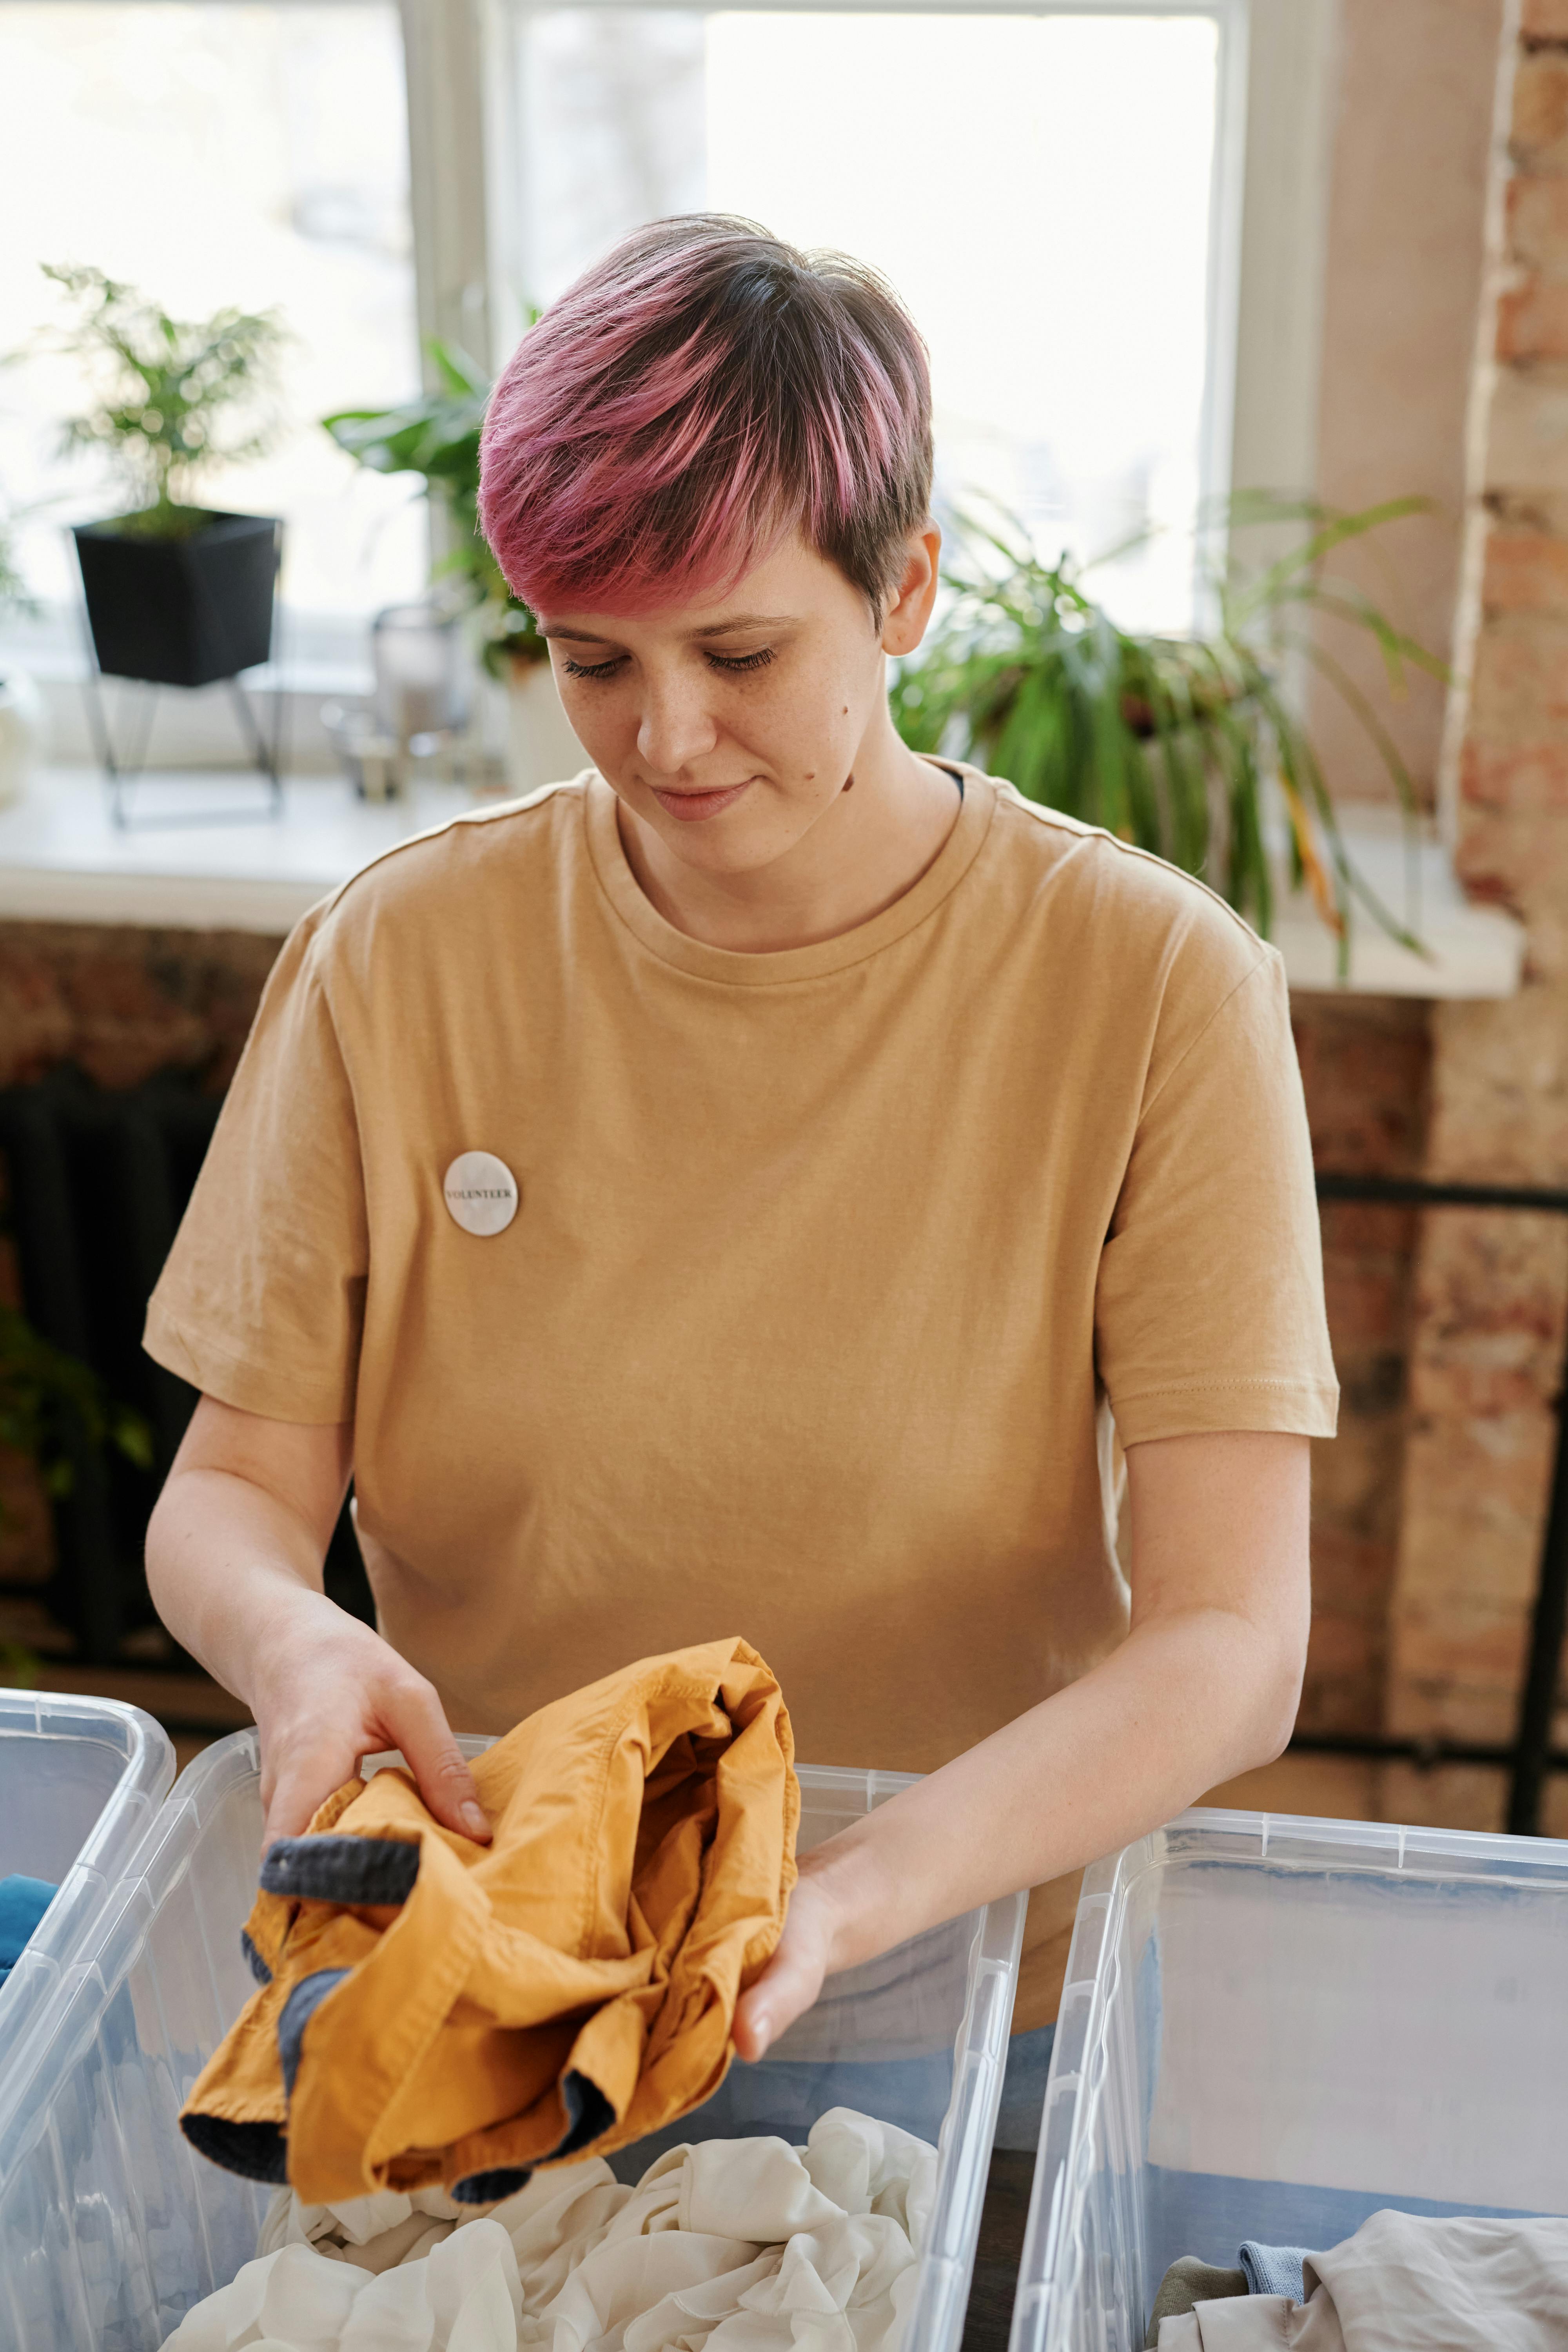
(44, 1391)
(169, 387)
(437, 437)
(14, 594)
(19, 1667)
(1169, 741)
(47, 1397)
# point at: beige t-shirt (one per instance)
(824, 1265)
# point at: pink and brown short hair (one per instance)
(701, 393)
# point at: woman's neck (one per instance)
(868, 847)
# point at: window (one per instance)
(213, 154)
(1056, 194)
(1039, 188)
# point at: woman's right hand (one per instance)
(234, 1563)
(326, 1692)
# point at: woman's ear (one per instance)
(904, 623)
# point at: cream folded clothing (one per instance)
(1403, 2282)
(725, 2246)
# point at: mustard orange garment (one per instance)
(437, 2010)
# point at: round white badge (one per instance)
(480, 1192)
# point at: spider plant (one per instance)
(437, 437)
(1170, 741)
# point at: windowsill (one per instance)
(62, 860)
(1474, 952)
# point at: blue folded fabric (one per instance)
(1274, 2270)
(23, 1903)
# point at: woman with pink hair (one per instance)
(743, 1188)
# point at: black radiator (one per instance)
(98, 1181)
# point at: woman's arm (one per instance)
(234, 1563)
(1206, 1685)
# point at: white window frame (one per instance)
(1272, 155)
(1268, 215)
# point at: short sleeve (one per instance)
(1209, 1301)
(262, 1302)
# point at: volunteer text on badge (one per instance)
(481, 1193)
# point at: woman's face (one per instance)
(728, 728)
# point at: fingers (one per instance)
(785, 1990)
(794, 1978)
(751, 2031)
(418, 1723)
(304, 1778)
(323, 1709)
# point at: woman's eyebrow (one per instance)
(747, 621)
(574, 637)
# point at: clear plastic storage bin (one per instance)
(111, 2226)
(1273, 2027)
(79, 1781)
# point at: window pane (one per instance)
(1036, 187)
(247, 154)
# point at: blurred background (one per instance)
(260, 156)
(1248, 326)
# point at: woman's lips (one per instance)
(690, 808)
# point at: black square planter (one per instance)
(181, 612)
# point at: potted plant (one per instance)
(437, 437)
(1173, 743)
(178, 594)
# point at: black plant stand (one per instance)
(1531, 1757)
(122, 771)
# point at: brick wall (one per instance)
(1491, 1291)
(119, 1003)
(123, 1002)
(1366, 1066)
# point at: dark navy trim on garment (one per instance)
(297, 2012)
(588, 2115)
(253, 1959)
(256, 2151)
(341, 1869)
(490, 2188)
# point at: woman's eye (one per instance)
(592, 670)
(759, 660)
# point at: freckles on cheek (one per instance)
(592, 719)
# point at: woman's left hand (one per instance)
(1205, 1686)
(792, 1978)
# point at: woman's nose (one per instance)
(676, 726)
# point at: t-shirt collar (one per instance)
(641, 918)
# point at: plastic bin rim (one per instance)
(1242, 1840)
(146, 1769)
(29, 1707)
(979, 2047)
(217, 1762)
(74, 1924)
(1321, 1842)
